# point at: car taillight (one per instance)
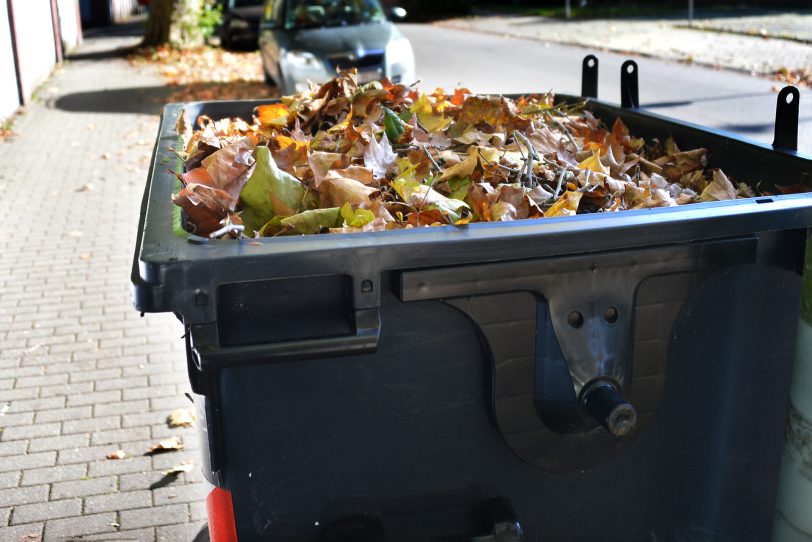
(221, 516)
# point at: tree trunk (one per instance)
(158, 22)
(174, 22)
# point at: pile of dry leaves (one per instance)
(344, 157)
(207, 73)
(801, 77)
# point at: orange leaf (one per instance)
(275, 114)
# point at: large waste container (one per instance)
(599, 377)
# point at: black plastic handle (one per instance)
(589, 77)
(629, 94)
(787, 106)
(364, 341)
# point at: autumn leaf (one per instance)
(393, 125)
(356, 218)
(567, 205)
(379, 157)
(204, 206)
(229, 168)
(183, 466)
(321, 162)
(269, 192)
(336, 191)
(182, 417)
(464, 168)
(593, 163)
(170, 444)
(312, 221)
(720, 188)
(431, 121)
(118, 454)
(272, 114)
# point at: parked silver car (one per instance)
(303, 40)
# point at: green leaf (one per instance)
(459, 187)
(313, 221)
(269, 192)
(357, 218)
(393, 126)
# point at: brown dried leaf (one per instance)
(183, 466)
(166, 445)
(182, 417)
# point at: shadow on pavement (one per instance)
(680, 103)
(145, 100)
(105, 54)
(756, 128)
(150, 100)
(133, 28)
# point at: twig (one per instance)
(563, 129)
(435, 164)
(560, 182)
(531, 152)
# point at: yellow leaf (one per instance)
(464, 168)
(430, 120)
(567, 205)
(593, 163)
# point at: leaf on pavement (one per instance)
(182, 417)
(180, 468)
(166, 445)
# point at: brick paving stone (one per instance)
(64, 414)
(189, 531)
(53, 474)
(120, 435)
(114, 502)
(30, 431)
(64, 442)
(108, 396)
(79, 526)
(130, 535)
(155, 516)
(10, 479)
(15, 496)
(123, 407)
(5, 516)
(29, 461)
(179, 493)
(148, 392)
(37, 405)
(15, 447)
(22, 533)
(88, 425)
(107, 467)
(29, 513)
(143, 480)
(22, 418)
(83, 488)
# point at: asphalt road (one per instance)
(487, 63)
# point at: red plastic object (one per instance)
(221, 516)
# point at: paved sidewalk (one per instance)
(81, 374)
(668, 38)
